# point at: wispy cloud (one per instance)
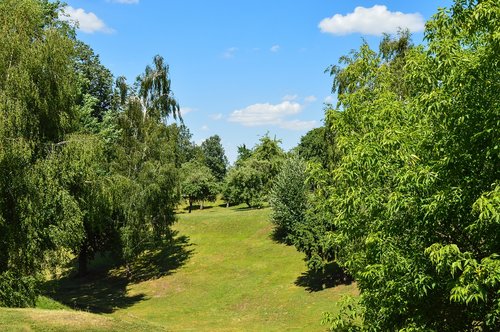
(310, 99)
(262, 114)
(217, 116)
(371, 21)
(186, 110)
(298, 125)
(275, 48)
(328, 99)
(289, 97)
(87, 22)
(229, 53)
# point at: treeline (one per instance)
(401, 186)
(87, 164)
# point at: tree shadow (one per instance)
(279, 235)
(196, 207)
(331, 276)
(104, 290)
(163, 261)
(97, 292)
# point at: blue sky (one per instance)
(241, 68)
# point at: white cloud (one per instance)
(217, 116)
(371, 21)
(229, 53)
(271, 114)
(88, 22)
(126, 2)
(275, 48)
(289, 97)
(264, 114)
(185, 110)
(298, 125)
(328, 99)
(204, 127)
(310, 99)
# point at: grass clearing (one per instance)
(225, 274)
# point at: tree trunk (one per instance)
(190, 205)
(201, 205)
(83, 260)
(227, 204)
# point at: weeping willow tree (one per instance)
(38, 216)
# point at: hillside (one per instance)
(225, 273)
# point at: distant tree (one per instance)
(246, 183)
(215, 157)
(198, 184)
(186, 149)
(288, 197)
(243, 154)
(96, 80)
(318, 145)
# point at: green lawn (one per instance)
(225, 273)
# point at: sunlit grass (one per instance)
(224, 273)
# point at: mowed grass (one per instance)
(237, 279)
(14, 320)
(227, 274)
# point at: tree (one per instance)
(246, 183)
(214, 157)
(198, 184)
(415, 195)
(38, 216)
(251, 179)
(97, 80)
(288, 198)
(318, 145)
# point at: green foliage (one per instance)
(251, 179)
(318, 146)
(17, 290)
(414, 196)
(288, 197)
(245, 183)
(38, 87)
(215, 157)
(198, 184)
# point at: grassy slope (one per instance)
(65, 320)
(236, 279)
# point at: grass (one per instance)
(223, 273)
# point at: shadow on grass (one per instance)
(331, 276)
(280, 235)
(105, 290)
(196, 207)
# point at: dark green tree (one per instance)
(215, 157)
(289, 198)
(38, 216)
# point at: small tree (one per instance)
(246, 183)
(198, 184)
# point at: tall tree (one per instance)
(38, 86)
(415, 195)
(215, 157)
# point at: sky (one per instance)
(243, 68)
